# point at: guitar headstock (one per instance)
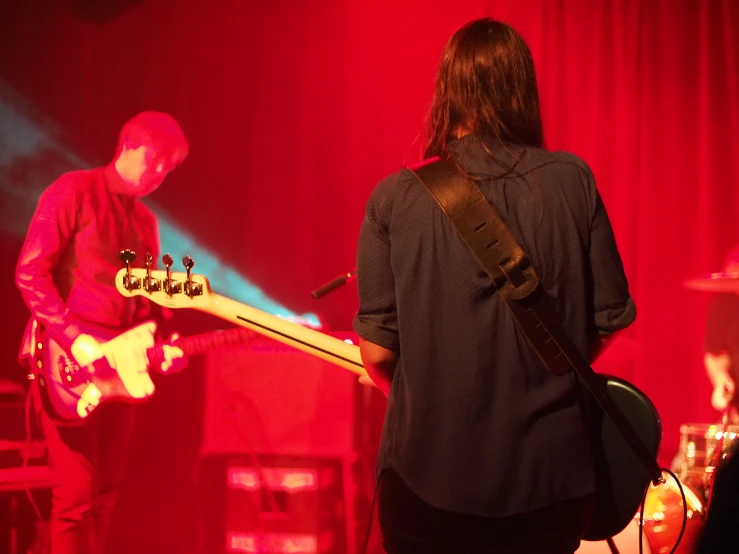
(165, 287)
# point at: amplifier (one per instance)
(269, 398)
(23, 472)
(276, 505)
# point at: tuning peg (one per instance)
(127, 256)
(129, 281)
(150, 284)
(191, 288)
(170, 286)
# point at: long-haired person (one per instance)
(483, 450)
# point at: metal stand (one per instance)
(718, 455)
(612, 546)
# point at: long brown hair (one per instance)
(486, 84)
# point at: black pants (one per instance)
(410, 525)
(87, 466)
(719, 532)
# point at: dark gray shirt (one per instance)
(475, 423)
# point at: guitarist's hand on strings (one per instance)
(128, 353)
(86, 350)
(174, 358)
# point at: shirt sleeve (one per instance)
(377, 318)
(614, 309)
(49, 234)
(716, 324)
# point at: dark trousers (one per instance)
(87, 467)
(719, 532)
(410, 525)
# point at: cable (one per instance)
(264, 490)
(237, 419)
(371, 517)
(685, 512)
(26, 454)
(641, 519)
(718, 455)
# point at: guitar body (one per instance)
(621, 478)
(70, 393)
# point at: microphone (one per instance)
(334, 284)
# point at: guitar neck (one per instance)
(326, 347)
(200, 344)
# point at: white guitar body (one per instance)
(71, 393)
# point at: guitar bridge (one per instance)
(69, 371)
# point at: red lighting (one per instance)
(276, 479)
(277, 543)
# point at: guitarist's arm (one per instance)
(49, 234)
(380, 364)
(376, 321)
(613, 307)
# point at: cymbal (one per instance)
(714, 282)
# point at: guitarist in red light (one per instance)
(65, 274)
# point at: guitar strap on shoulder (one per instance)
(517, 283)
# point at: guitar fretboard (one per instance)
(200, 344)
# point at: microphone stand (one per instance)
(334, 284)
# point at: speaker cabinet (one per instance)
(271, 399)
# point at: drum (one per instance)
(695, 463)
(663, 517)
(627, 542)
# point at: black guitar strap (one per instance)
(517, 283)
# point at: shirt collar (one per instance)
(486, 158)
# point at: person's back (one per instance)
(484, 407)
(475, 426)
